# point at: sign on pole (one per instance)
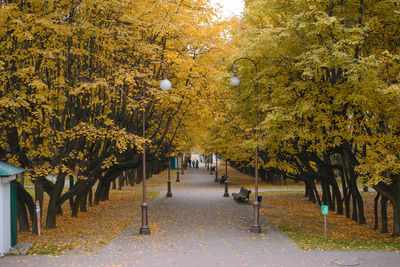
(325, 211)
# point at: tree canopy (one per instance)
(77, 75)
(328, 76)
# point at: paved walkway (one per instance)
(199, 227)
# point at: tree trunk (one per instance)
(97, 194)
(392, 193)
(354, 215)
(310, 191)
(90, 196)
(396, 218)
(316, 192)
(22, 217)
(357, 199)
(384, 202)
(396, 205)
(347, 203)
(326, 196)
(107, 191)
(83, 200)
(376, 215)
(71, 185)
(333, 197)
(307, 191)
(75, 207)
(121, 181)
(114, 184)
(337, 195)
(346, 189)
(345, 196)
(52, 208)
(27, 200)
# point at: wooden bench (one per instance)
(242, 195)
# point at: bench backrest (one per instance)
(244, 192)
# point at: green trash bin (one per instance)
(172, 163)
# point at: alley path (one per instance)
(199, 227)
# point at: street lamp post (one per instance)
(211, 164)
(226, 168)
(235, 81)
(182, 165)
(165, 85)
(216, 168)
(226, 194)
(177, 169)
(169, 193)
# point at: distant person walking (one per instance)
(193, 163)
(197, 164)
(190, 162)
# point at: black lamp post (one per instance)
(216, 168)
(226, 168)
(182, 165)
(165, 85)
(211, 164)
(177, 169)
(169, 193)
(235, 81)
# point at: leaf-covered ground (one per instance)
(302, 221)
(159, 180)
(91, 230)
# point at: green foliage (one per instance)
(50, 249)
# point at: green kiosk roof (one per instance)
(8, 170)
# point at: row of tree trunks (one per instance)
(324, 171)
(391, 193)
(384, 217)
(349, 163)
(25, 206)
(81, 194)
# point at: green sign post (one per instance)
(325, 211)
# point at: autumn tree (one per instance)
(328, 75)
(72, 81)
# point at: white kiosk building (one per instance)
(8, 206)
